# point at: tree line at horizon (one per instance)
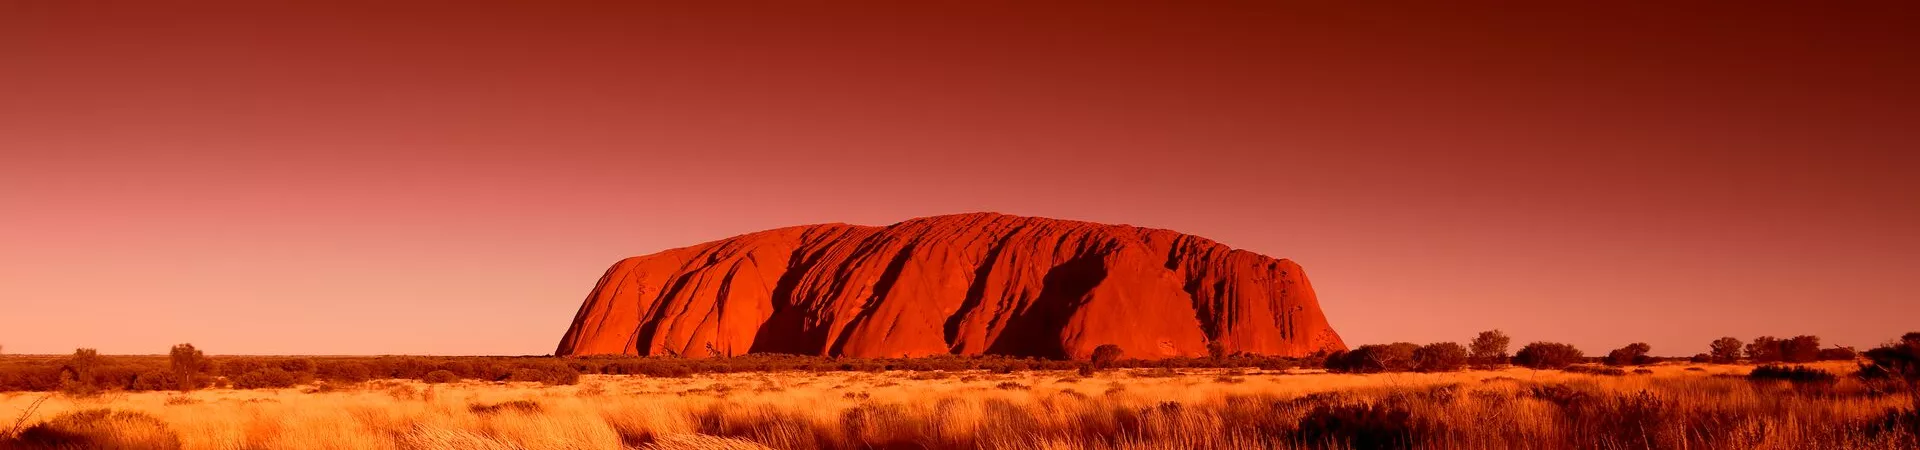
(1489, 349)
(186, 367)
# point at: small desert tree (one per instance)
(1374, 358)
(1105, 355)
(1440, 357)
(77, 374)
(187, 364)
(1489, 348)
(1632, 354)
(1548, 355)
(1803, 348)
(1764, 349)
(1217, 350)
(1725, 350)
(1897, 360)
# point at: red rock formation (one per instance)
(964, 284)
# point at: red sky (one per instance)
(452, 177)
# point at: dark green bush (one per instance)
(1596, 370)
(1105, 355)
(1364, 426)
(1440, 357)
(1374, 358)
(1548, 355)
(268, 378)
(520, 406)
(1632, 355)
(1489, 348)
(440, 376)
(527, 375)
(1799, 375)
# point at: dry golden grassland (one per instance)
(1675, 406)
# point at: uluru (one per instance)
(964, 284)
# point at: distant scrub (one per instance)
(271, 377)
(1489, 348)
(1597, 370)
(1768, 349)
(1440, 357)
(1632, 355)
(1725, 350)
(440, 376)
(519, 406)
(1799, 375)
(88, 373)
(1548, 355)
(1374, 358)
(1775, 406)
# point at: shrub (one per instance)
(234, 368)
(186, 363)
(563, 376)
(1801, 349)
(297, 365)
(1489, 348)
(1905, 421)
(1548, 355)
(1798, 375)
(77, 375)
(344, 371)
(674, 371)
(521, 406)
(1440, 357)
(1766, 349)
(1565, 396)
(526, 375)
(1725, 350)
(155, 381)
(549, 372)
(1700, 358)
(30, 378)
(1363, 426)
(1216, 350)
(440, 376)
(1895, 360)
(271, 377)
(1839, 354)
(1596, 370)
(101, 429)
(1105, 355)
(1632, 355)
(461, 368)
(1374, 358)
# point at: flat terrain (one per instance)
(1673, 406)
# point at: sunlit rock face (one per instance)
(966, 284)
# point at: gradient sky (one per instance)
(452, 177)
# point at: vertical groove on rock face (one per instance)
(964, 284)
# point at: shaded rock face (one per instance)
(966, 284)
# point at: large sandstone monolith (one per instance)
(966, 284)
